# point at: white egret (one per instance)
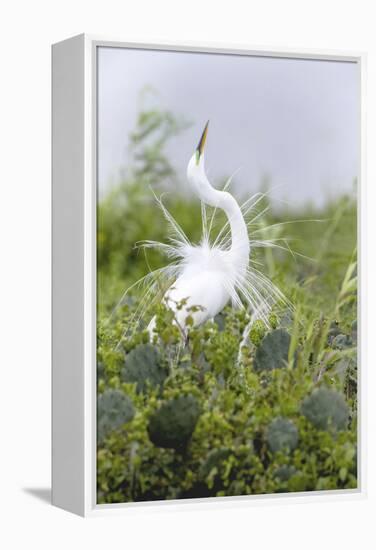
(210, 275)
(201, 279)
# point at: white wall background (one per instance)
(26, 31)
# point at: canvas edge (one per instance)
(68, 381)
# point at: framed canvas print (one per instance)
(206, 303)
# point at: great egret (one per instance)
(206, 277)
(200, 280)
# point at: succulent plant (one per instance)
(326, 409)
(282, 435)
(333, 331)
(172, 425)
(144, 365)
(341, 341)
(114, 409)
(272, 353)
(284, 472)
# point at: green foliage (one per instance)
(143, 366)
(273, 320)
(154, 128)
(223, 413)
(273, 351)
(257, 332)
(326, 409)
(214, 462)
(208, 431)
(282, 435)
(173, 424)
(114, 409)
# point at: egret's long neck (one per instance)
(221, 199)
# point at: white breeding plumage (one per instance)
(209, 276)
(201, 279)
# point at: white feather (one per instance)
(210, 275)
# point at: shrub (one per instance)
(172, 425)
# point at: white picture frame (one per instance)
(74, 154)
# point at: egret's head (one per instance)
(197, 177)
(196, 164)
(201, 145)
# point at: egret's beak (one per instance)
(201, 144)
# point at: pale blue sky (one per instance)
(294, 120)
